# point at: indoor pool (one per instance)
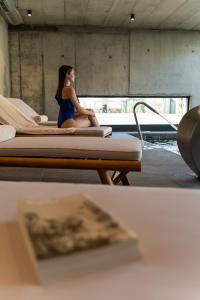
(167, 144)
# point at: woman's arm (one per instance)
(69, 92)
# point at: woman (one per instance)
(71, 113)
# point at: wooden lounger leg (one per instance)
(105, 177)
(122, 177)
(114, 175)
(125, 181)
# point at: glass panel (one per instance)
(119, 110)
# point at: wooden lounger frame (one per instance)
(102, 166)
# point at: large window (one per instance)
(119, 110)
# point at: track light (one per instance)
(29, 12)
(132, 17)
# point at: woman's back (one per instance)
(67, 110)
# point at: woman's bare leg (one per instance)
(78, 122)
(93, 119)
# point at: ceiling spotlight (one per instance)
(29, 12)
(132, 17)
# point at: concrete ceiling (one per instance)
(155, 14)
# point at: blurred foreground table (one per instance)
(167, 222)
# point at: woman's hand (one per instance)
(91, 111)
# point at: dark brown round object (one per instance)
(188, 139)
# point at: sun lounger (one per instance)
(38, 123)
(89, 153)
(25, 125)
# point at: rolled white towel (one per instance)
(7, 132)
(41, 119)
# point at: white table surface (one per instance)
(167, 222)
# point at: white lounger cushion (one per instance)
(7, 132)
(11, 115)
(28, 111)
(102, 131)
(45, 130)
(25, 108)
(73, 147)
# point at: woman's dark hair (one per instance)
(63, 70)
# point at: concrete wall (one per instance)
(165, 62)
(4, 59)
(107, 62)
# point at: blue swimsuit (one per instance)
(67, 110)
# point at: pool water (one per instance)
(167, 144)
